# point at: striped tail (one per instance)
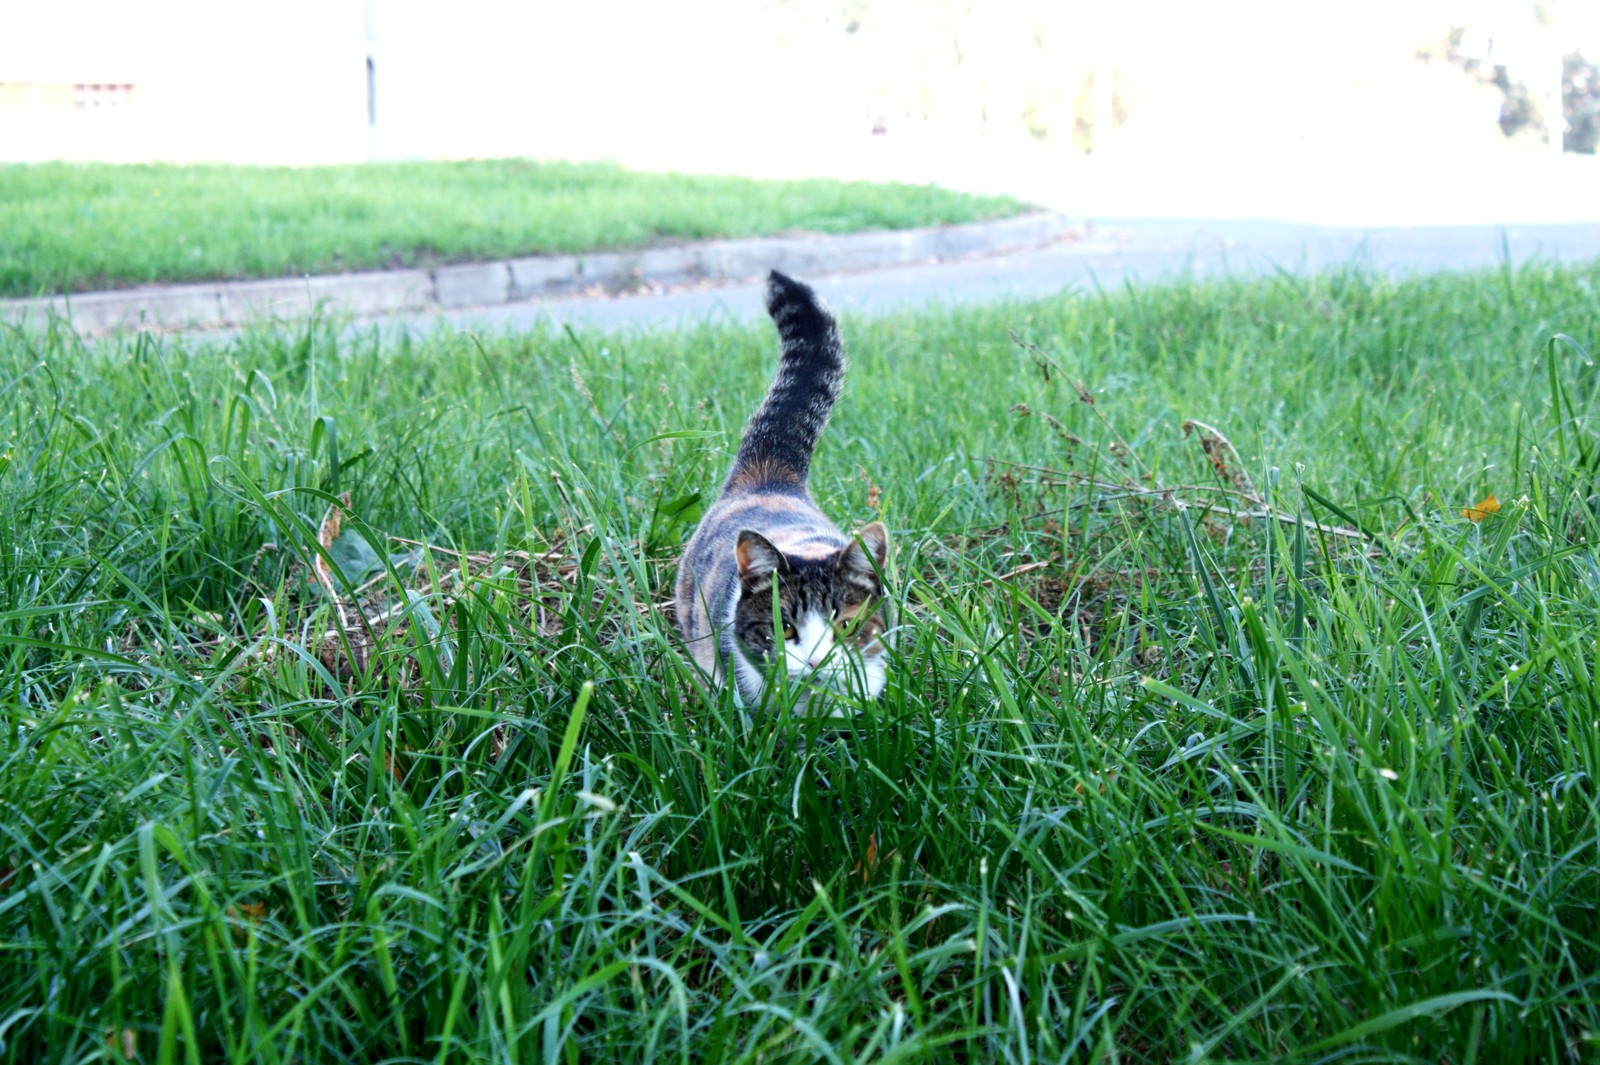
(779, 441)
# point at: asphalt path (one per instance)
(1106, 254)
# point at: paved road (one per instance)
(1109, 253)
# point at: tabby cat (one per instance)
(828, 626)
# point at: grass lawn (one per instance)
(1271, 755)
(70, 227)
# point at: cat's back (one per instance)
(708, 575)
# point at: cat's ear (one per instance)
(868, 555)
(757, 557)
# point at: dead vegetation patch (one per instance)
(1097, 530)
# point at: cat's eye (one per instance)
(789, 633)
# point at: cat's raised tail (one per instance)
(783, 433)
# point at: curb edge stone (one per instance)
(518, 280)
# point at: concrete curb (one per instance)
(232, 303)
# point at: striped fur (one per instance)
(764, 535)
(781, 436)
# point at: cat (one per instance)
(764, 531)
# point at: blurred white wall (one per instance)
(257, 83)
(587, 80)
(287, 82)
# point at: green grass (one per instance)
(71, 227)
(1150, 782)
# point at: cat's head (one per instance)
(830, 617)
